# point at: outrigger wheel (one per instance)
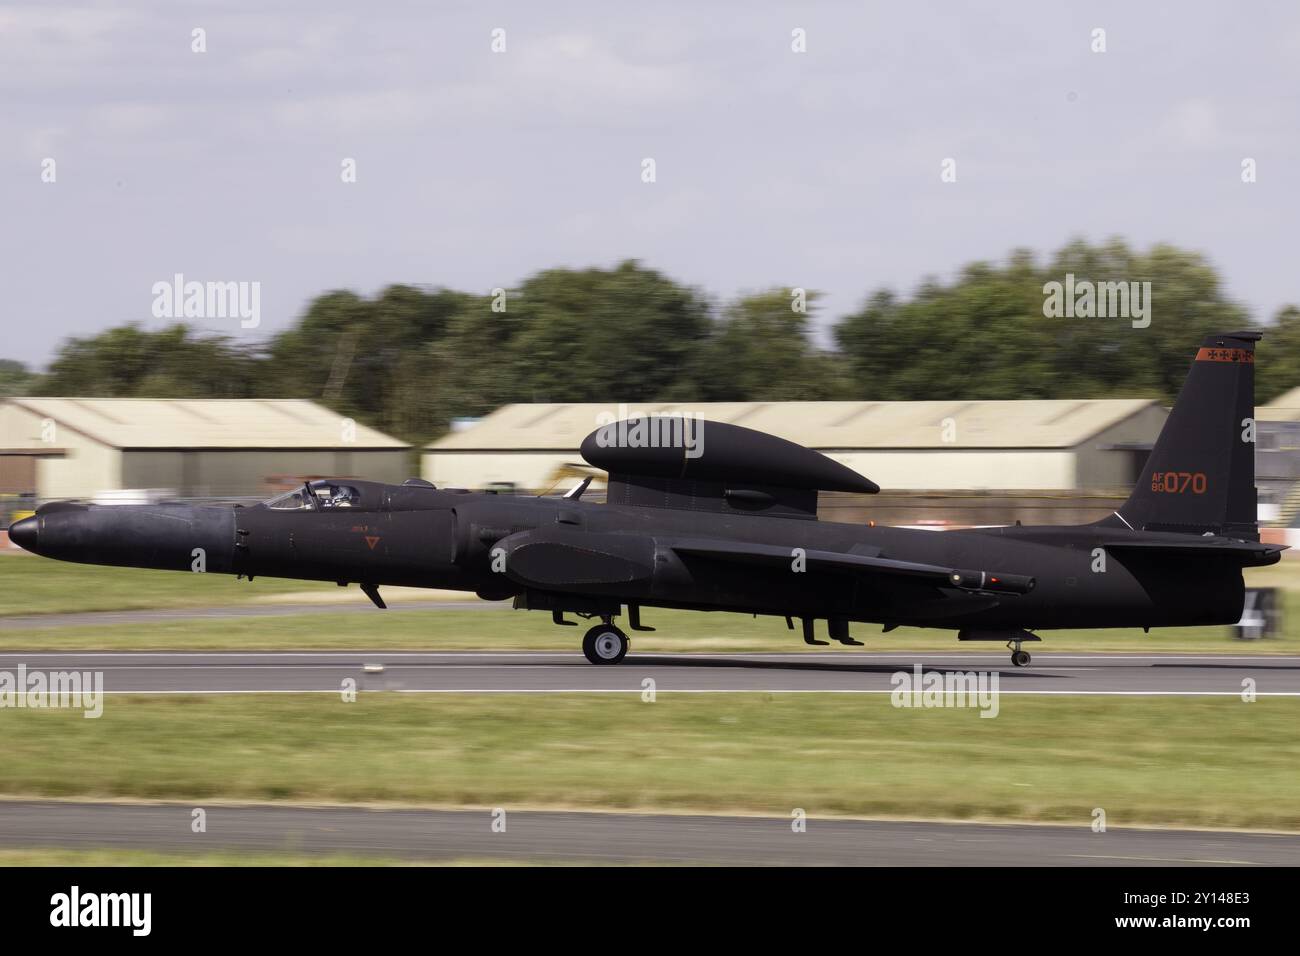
(604, 644)
(1018, 657)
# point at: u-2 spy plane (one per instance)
(715, 517)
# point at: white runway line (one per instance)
(657, 655)
(706, 690)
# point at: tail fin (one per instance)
(1201, 474)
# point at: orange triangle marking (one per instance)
(372, 541)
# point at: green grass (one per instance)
(1213, 762)
(34, 585)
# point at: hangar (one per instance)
(1036, 445)
(1277, 457)
(52, 448)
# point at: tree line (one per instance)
(411, 359)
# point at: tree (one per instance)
(15, 379)
(985, 336)
(1279, 357)
(130, 362)
(624, 334)
(411, 359)
(365, 358)
(760, 351)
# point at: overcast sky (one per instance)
(475, 169)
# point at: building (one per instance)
(52, 448)
(1059, 445)
(1277, 458)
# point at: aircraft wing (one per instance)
(867, 564)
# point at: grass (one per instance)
(34, 585)
(678, 631)
(1214, 762)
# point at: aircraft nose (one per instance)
(23, 533)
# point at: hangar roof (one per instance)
(1284, 408)
(826, 426)
(205, 423)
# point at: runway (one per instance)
(548, 837)
(555, 672)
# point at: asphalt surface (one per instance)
(621, 838)
(555, 672)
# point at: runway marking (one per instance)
(431, 666)
(833, 690)
(1162, 859)
(299, 667)
(731, 655)
(706, 690)
(430, 672)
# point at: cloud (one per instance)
(476, 169)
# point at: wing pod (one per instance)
(687, 448)
(995, 583)
(659, 461)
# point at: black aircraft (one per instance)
(714, 517)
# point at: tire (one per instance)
(1020, 658)
(604, 644)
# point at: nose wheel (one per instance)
(1018, 657)
(604, 644)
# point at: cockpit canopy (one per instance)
(320, 495)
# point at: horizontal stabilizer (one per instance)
(1249, 553)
